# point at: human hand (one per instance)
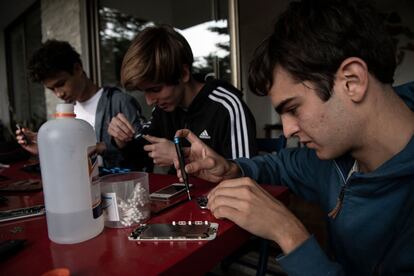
(204, 162)
(121, 130)
(248, 205)
(161, 150)
(100, 148)
(27, 140)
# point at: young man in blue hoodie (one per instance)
(328, 69)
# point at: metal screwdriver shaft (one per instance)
(182, 164)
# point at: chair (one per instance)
(270, 145)
(269, 128)
(264, 145)
(267, 145)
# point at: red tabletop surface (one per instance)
(111, 253)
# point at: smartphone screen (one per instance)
(172, 189)
(169, 191)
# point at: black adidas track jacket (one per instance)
(217, 115)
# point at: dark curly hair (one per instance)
(313, 37)
(53, 57)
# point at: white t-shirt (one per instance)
(87, 110)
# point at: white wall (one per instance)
(256, 22)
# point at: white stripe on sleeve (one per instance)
(238, 121)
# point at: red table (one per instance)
(111, 253)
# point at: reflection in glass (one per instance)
(212, 57)
(209, 40)
(116, 33)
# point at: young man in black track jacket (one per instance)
(158, 63)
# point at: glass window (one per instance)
(204, 23)
(27, 99)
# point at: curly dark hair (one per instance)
(53, 57)
(313, 37)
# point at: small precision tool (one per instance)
(142, 130)
(27, 140)
(20, 213)
(202, 202)
(180, 156)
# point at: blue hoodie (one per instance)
(373, 233)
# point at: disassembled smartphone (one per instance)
(25, 185)
(169, 191)
(179, 231)
(26, 212)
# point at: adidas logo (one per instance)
(204, 135)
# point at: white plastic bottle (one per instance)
(69, 170)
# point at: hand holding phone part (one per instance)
(203, 161)
(121, 130)
(161, 150)
(248, 205)
(27, 139)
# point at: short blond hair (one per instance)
(156, 55)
